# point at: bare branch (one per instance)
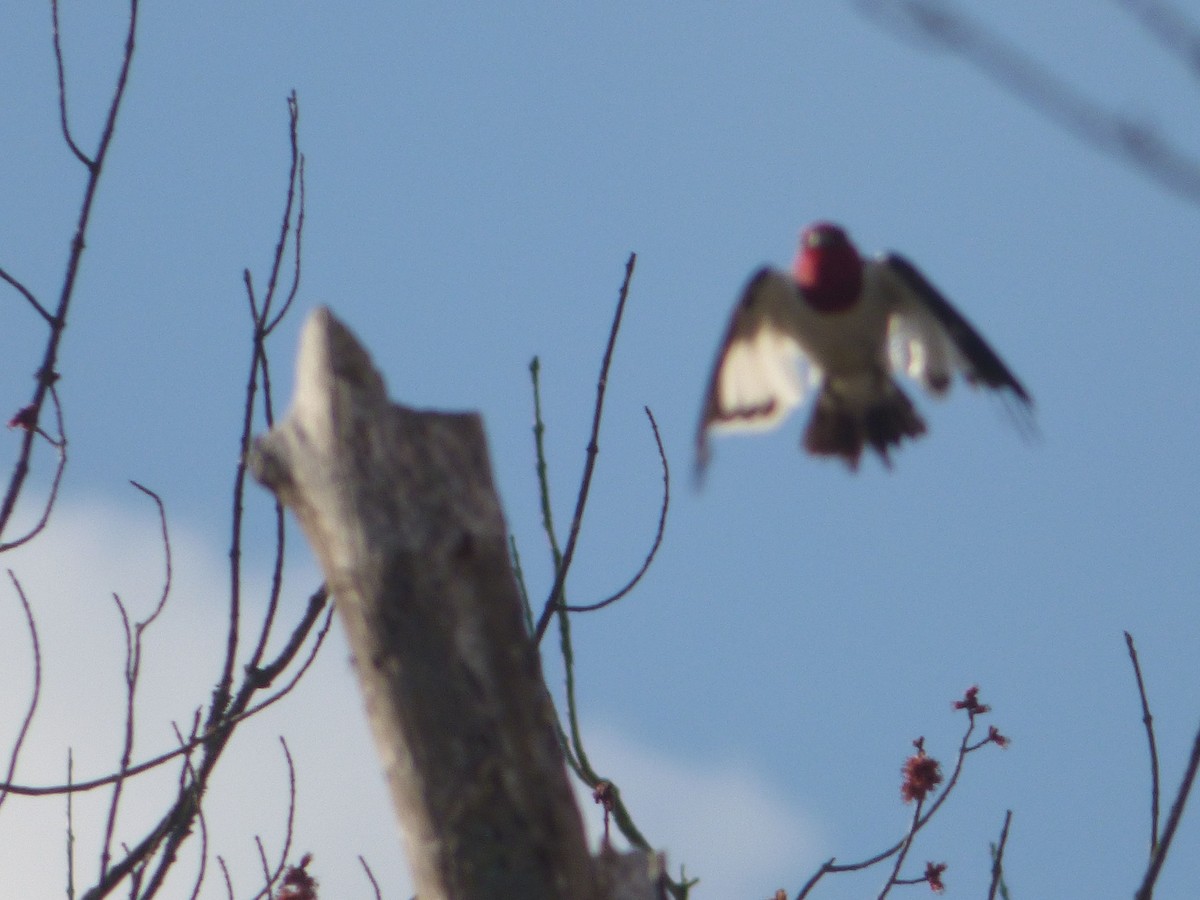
(46, 371)
(27, 294)
(259, 370)
(1146, 891)
(371, 878)
(555, 600)
(131, 674)
(1148, 722)
(260, 679)
(973, 709)
(225, 873)
(60, 443)
(266, 867)
(662, 525)
(572, 743)
(15, 754)
(62, 93)
(998, 858)
(200, 819)
(400, 508)
(539, 443)
(166, 541)
(288, 831)
(1170, 27)
(174, 827)
(905, 846)
(285, 227)
(70, 827)
(1130, 141)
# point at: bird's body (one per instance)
(850, 324)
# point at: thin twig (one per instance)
(371, 878)
(297, 182)
(1148, 722)
(920, 820)
(572, 743)
(202, 869)
(62, 92)
(200, 819)
(554, 601)
(166, 542)
(174, 827)
(658, 537)
(133, 666)
(131, 678)
(225, 873)
(905, 846)
(15, 754)
(519, 575)
(262, 678)
(998, 860)
(260, 313)
(1170, 27)
(27, 294)
(1146, 891)
(289, 828)
(285, 227)
(266, 867)
(46, 373)
(539, 443)
(1130, 141)
(70, 827)
(60, 444)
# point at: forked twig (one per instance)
(905, 846)
(554, 601)
(998, 860)
(273, 875)
(46, 374)
(261, 679)
(921, 817)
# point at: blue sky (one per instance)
(476, 181)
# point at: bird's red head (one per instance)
(828, 268)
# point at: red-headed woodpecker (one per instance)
(844, 326)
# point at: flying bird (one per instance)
(843, 326)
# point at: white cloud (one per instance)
(69, 575)
(720, 819)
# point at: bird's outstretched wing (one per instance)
(758, 376)
(929, 339)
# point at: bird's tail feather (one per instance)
(841, 427)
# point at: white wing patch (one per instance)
(760, 374)
(920, 348)
(759, 382)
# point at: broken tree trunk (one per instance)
(400, 509)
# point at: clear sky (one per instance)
(476, 180)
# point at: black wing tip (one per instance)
(989, 369)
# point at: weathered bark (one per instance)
(400, 509)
